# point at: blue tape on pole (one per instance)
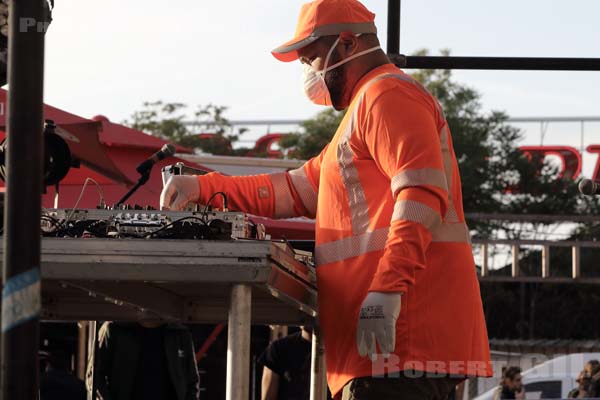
(21, 299)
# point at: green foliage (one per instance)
(317, 132)
(168, 121)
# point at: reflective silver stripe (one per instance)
(455, 233)
(358, 245)
(334, 29)
(446, 156)
(352, 246)
(326, 30)
(359, 210)
(295, 46)
(284, 201)
(307, 194)
(419, 177)
(451, 214)
(414, 211)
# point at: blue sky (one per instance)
(108, 57)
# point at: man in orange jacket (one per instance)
(396, 275)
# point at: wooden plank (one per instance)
(156, 247)
(100, 270)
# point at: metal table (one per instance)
(242, 282)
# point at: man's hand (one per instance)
(179, 191)
(377, 321)
(520, 394)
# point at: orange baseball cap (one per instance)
(323, 18)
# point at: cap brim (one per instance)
(289, 51)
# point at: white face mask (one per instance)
(315, 87)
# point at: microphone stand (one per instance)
(145, 175)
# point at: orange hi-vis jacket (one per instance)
(386, 195)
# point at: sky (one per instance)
(109, 57)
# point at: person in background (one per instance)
(286, 367)
(588, 382)
(594, 372)
(511, 385)
(149, 361)
(56, 381)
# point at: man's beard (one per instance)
(335, 81)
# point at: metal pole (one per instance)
(253, 380)
(92, 347)
(393, 33)
(21, 303)
(82, 329)
(484, 262)
(318, 379)
(238, 343)
(497, 63)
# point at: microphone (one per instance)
(166, 151)
(589, 187)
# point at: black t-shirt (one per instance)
(289, 357)
(507, 393)
(60, 385)
(152, 379)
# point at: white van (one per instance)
(553, 379)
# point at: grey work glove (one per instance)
(377, 323)
(179, 191)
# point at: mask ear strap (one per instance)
(352, 57)
(329, 54)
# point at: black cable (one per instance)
(81, 226)
(171, 225)
(54, 221)
(205, 212)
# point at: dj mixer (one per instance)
(148, 223)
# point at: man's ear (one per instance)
(349, 42)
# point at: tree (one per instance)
(171, 122)
(317, 132)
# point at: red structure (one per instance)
(595, 149)
(569, 156)
(109, 154)
(265, 145)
